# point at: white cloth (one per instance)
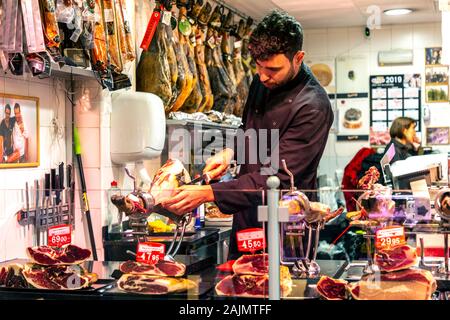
(19, 138)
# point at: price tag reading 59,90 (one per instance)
(59, 235)
(251, 240)
(150, 252)
(390, 237)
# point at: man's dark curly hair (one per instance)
(277, 33)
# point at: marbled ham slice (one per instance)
(61, 277)
(395, 259)
(332, 289)
(162, 268)
(255, 264)
(252, 286)
(146, 284)
(411, 284)
(49, 256)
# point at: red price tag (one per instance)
(151, 28)
(59, 235)
(251, 240)
(390, 237)
(150, 252)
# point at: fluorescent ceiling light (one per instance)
(397, 12)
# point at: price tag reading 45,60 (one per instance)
(251, 240)
(59, 235)
(150, 252)
(390, 237)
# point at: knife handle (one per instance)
(47, 185)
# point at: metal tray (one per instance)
(97, 288)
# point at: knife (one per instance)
(27, 203)
(47, 199)
(37, 215)
(61, 179)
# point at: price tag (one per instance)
(151, 28)
(166, 18)
(251, 240)
(390, 237)
(59, 235)
(150, 252)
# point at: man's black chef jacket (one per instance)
(302, 112)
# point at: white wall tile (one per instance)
(381, 39)
(90, 146)
(423, 35)
(317, 43)
(357, 43)
(337, 41)
(402, 37)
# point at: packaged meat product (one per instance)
(145, 284)
(126, 39)
(50, 25)
(32, 25)
(153, 73)
(396, 258)
(111, 35)
(49, 256)
(253, 264)
(162, 268)
(99, 55)
(253, 286)
(410, 284)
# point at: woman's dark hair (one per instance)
(277, 33)
(7, 107)
(400, 124)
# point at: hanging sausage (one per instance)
(124, 32)
(200, 35)
(192, 103)
(241, 80)
(221, 85)
(111, 35)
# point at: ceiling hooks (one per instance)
(236, 11)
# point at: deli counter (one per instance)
(393, 246)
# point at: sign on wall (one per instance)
(393, 96)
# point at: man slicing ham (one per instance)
(284, 95)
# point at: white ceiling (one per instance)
(340, 13)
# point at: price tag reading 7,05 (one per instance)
(150, 252)
(390, 237)
(251, 240)
(59, 235)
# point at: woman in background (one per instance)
(403, 137)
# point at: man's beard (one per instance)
(291, 75)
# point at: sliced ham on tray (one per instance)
(252, 286)
(332, 289)
(411, 284)
(255, 264)
(395, 259)
(162, 268)
(146, 284)
(49, 256)
(61, 277)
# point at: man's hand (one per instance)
(187, 198)
(217, 165)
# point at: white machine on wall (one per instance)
(138, 129)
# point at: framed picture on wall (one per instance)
(433, 56)
(19, 131)
(438, 135)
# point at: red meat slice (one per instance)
(256, 264)
(62, 277)
(162, 268)
(48, 256)
(332, 289)
(244, 286)
(395, 259)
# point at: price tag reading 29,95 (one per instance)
(390, 237)
(150, 252)
(251, 240)
(59, 235)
